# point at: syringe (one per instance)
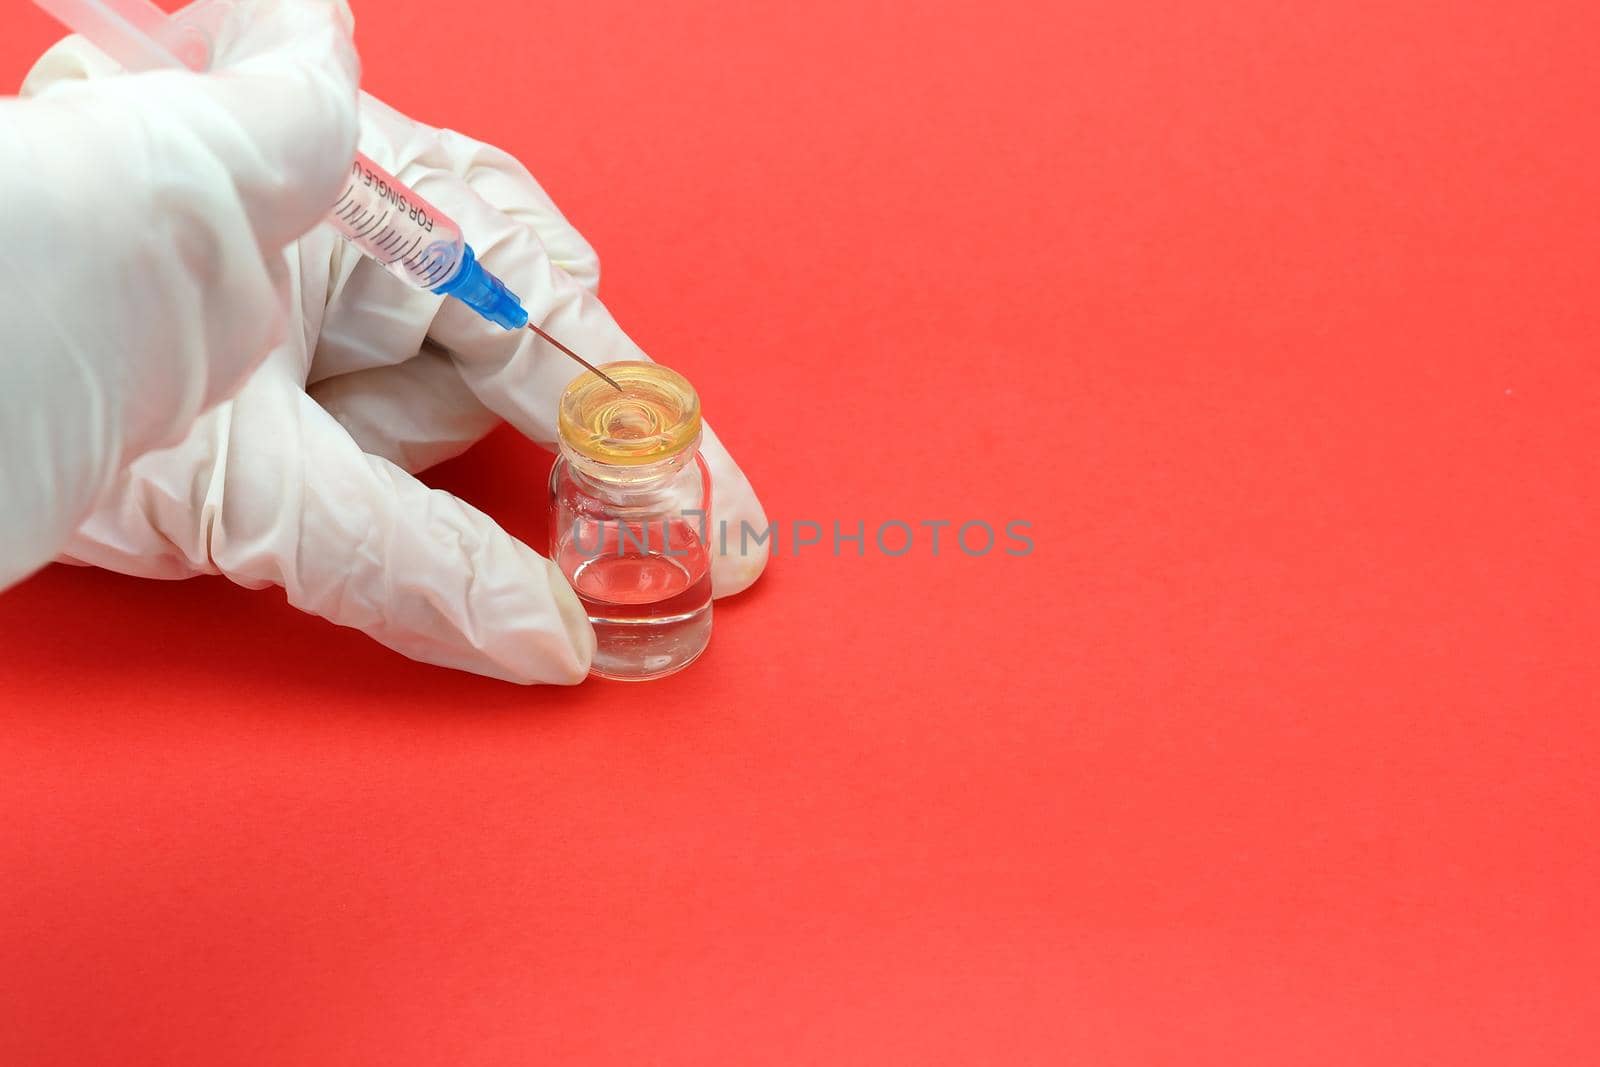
(412, 239)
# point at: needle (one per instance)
(575, 356)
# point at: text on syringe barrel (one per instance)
(412, 239)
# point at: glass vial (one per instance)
(630, 506)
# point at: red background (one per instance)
(1277, 321)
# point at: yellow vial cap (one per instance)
(656, 416)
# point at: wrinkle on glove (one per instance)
(142, 265)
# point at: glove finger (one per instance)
(357, 540)
(414, 414)
(272, 491)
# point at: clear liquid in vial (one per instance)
(650, 606)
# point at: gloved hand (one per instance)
(304, 478)
(142, 275)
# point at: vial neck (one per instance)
(617, 481)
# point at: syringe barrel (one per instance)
(415, 241)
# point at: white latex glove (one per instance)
(142, 274)
(304, 478)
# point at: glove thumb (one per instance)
(274, 119)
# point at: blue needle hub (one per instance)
(484, 293)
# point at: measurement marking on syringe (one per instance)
(381, 232)
(377, 224)
(415, 241)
